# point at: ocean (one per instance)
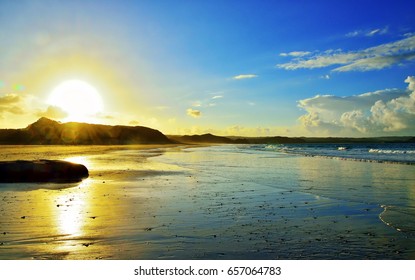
(369, 187)
(215, 202)
(403, 153)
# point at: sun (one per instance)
(78, 99)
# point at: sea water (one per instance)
(403, 153)
(215, 202)
(359, 199)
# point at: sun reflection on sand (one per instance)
(71, 218)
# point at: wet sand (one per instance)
(208, 203)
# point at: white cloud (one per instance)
(295, 53)
(368, 32)
(217, 97)
(390, 111)
(374, 58)
(373, 32)
(208, 102)
(193, 113)
(376, 63)
(244, 76)
(356, 120)
(411, 82)
(379, 31)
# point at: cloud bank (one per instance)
(374, 58)
(10, 103)
(16, 106)
(383, 112)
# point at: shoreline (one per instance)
(206, 202)
(358, 160)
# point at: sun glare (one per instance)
(78, 99)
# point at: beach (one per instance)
(208, 202)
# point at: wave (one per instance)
(363, 159)
(401, 219)
(380, 151)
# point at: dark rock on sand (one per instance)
(41, 171)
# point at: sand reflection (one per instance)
(70, 216)
(375, 183)
(69, 222)
(72, 206)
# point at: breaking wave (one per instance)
(382, 153)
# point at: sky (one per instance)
(246, 68)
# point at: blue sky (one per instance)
(314, 68)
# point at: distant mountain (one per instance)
(50, 132)
(322, 140)
(209, 138)
(205, 138)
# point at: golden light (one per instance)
(71, 218)
(72, 208)
(80, 160)
(78, 99)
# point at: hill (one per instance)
(202, 139)
(50, 132)
(209, 138)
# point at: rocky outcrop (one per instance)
(41, 171)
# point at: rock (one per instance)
(41, 171)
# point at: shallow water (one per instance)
(368, 207)
(219, 202)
